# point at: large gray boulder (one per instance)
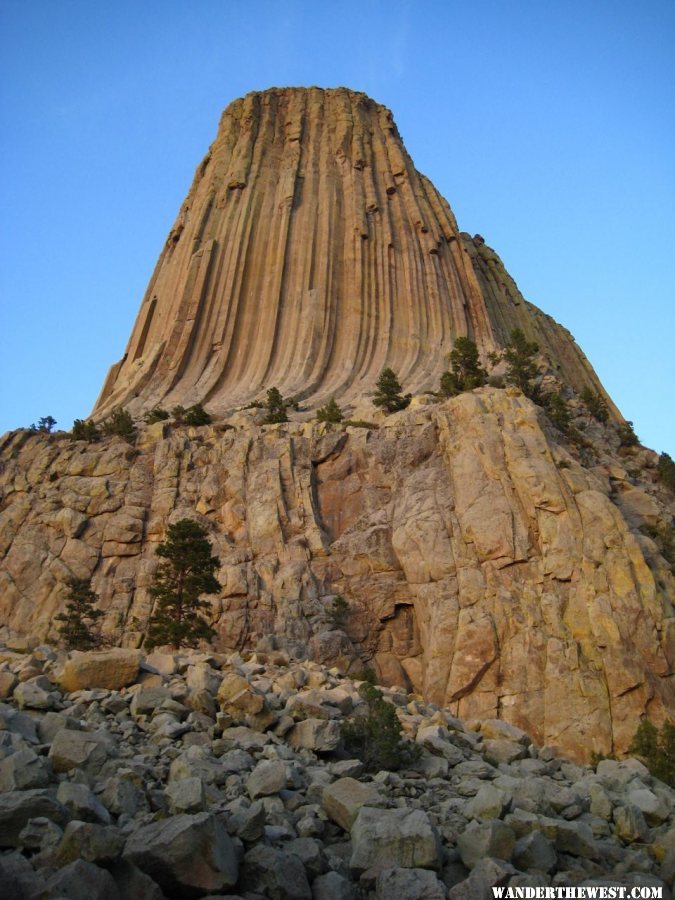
(188, 856)
(17, 807)
(86, 750)
(409, 884)
(275, 875)
(394, 838)
(82, 881)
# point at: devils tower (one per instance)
(310, 254)
(492, 559)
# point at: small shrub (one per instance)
(375, 737)
(564, 464)
(388, 394)
(330, 413)
(86, 431)
(361, 423)
(557, 412)
(177, 414)
(665, 471)
(338, 611)
(627, 436)
(663, 536)
(196, 415)
(121, 424)
(656, 749)
(595, 404)
(78, 624)
(155, 415)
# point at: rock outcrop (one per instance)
(490, 564)
(309, 254)
(484, 565)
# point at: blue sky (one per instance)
(548, 126)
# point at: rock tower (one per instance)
(309, 254)
(491, 562)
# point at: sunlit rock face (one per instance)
(488, 562)
(310, 254)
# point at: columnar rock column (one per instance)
(310, 254)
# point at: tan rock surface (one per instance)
(542, 607)
(109, 669)
(309, 254)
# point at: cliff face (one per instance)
(309, 254)
(484, 566)
(488, 563)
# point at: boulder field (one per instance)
(199, 775)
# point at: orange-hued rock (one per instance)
(488, 562)
(109, 669)
(309, 254)
(485, 566)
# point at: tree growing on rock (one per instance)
(388, 393)
(184, 575)
(467, 372)
(86, 430)
(78, 629)
(521, 369)
(120, 423)
(330, 413)
(595, 404)
(44, 425)
(276, 407)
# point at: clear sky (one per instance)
(549, 125)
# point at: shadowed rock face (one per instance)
(310, 254)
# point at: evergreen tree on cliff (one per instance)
(388, 392)
(186, 573)
(521, 369)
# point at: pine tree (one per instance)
(77, 629)
(388, 392)
(187, 572)
(521, 368)
(276, 407)
(121, 424)
(44, 425)
(156, 414)
(196, 415)
(627, 436)
(330, 413)
(85, 431)
(375, 736)
(665, 471)
(558, 413)
(466, 366)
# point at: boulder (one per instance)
(343, 799)
(24, 770)
(86, 750)
(409, 884)
(394, 838)
(82, 881)
(319, 735)
(274, 874)
(82, 803)
(109, 669)
(101, 844)
(479, 840)
(268, 777)
(18, 807)
(192, 855)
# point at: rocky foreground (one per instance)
(195, 775)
